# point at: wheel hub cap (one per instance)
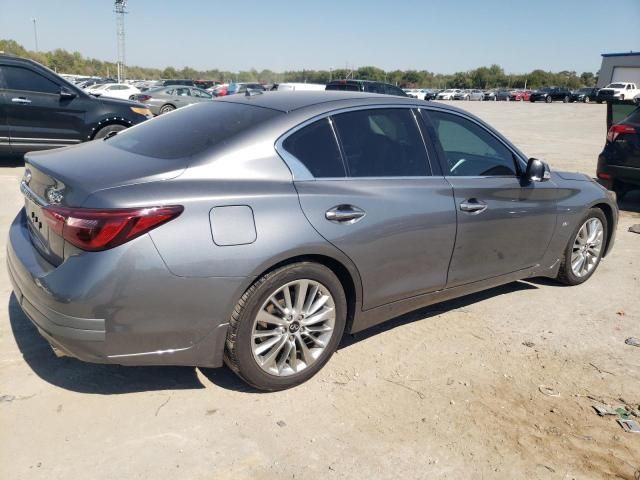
(587, 247)
(293, 327)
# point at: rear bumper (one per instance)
(613, 173)
(121, 306)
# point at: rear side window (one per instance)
(315, 146)
(382, 142)
(191, 130)
(18, 78)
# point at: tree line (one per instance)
(493, 76)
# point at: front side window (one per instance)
(199, 93)
(182, 92)
(469, 149)
(18, 78)
(315, 146)
(382, 143)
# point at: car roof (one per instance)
(289, 101)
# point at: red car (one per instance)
(520, 95)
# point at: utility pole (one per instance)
(35, 32)
(120, 11)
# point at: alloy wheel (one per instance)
(587, 247)
(293, 327)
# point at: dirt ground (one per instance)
(451, 391)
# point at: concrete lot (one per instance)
(451, 391)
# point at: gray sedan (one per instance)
(257, 230)
(165, 99)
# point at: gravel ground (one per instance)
(451, 391)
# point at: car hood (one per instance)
(81, 170)
(576, 176)
(117, 102)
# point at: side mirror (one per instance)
(537, 171)
(66, 94)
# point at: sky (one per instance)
(441, 36)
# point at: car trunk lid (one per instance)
(68, 176)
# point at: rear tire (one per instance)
(107, 131)
(586, 99)
(565, 99)
(167, 109)
(567, 273)
(243, 354)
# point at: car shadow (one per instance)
(433, 310)
(81, 377)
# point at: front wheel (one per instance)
(586, 99)
(108, 131)
(565, 100)
(548, 100)
(286, 326)
(585, 248)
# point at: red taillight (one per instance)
(94, 230)
(604, 176)
(144, 98)
(617, 130)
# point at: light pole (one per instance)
(35, 32)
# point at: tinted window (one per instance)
(199, 93)
(191, 130)
(469, 149)
(17, 78)
(182, 92)
(382, 143)
(348, 87)
(315, 146)
(375, 88)
(391, 90)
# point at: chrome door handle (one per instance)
(344, 214)
(20, 100)
(473, 206)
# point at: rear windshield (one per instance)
(616, 85)
(190, 130)
(634, 118)
(348, 87)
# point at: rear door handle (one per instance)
(20, 100)
(473, 206)
(344, 214)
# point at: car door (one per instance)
(198, 95)
(504, 224)
(5, 146)
(182, 96)
(374, 196)
(38, 116)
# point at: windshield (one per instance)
(190, 130)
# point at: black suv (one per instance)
(551, 94)
(365, 86)
(619, 163)
(40, 110)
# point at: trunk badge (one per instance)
(27, 176)
(54, 195)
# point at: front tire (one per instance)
(548, 100)
(584, 251)
(565, 100)
(586, 99)
(108, 130)
(286, 326)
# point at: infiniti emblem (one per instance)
(294, 327)
(54, 195)
(27, 176)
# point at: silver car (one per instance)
(257, 230)
(166, 99)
